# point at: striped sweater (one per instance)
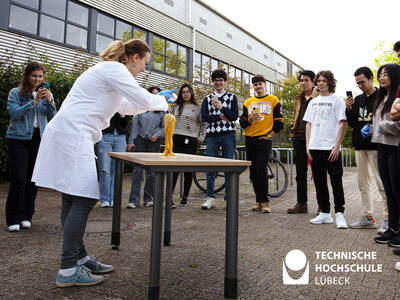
(189, 122)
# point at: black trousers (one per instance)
(389, 171)
(180, 146)
(320, 166)
(20, 204)
(258, 152)
(300, 153)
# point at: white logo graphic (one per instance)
(296, 261)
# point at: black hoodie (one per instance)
(360, 115)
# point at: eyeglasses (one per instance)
(218, 80)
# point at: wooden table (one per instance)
(162, 166)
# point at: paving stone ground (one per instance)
(193, 266)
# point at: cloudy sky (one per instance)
(336, 35)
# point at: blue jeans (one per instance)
(143, 145)
(227, 144)
(111, 142)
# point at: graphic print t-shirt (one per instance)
(324, 113)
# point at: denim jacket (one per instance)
(22, 115)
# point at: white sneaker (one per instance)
(322, 218)
(13, 228)
(210, 203)
(149, 204)
(26, 224)
(340, 221)
(131, 205)
(397, 266)
(384, 227)
(104, 204)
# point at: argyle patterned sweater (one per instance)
(211, 115)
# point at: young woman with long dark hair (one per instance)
(386, 134)
(188, 134)
(30, 106)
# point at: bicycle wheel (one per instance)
(200, 179)
(277, 178)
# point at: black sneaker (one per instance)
(386, 237)
(184, 202)
(396, 251)
(395, 242)
(173, 205)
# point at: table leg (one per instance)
(155, 256)
(116, 219)
(231, 245)
(168, 201)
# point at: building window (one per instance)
(170, 57)
(246, 78)
(270, 88)
(23, 19)
(30, 3)
(169, 2)
(204, 65)
(63, 21)
(110, 29)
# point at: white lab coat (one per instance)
(66, 159)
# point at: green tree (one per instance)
(385, 55)
(286, 90)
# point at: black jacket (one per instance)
(119, 123)
(360, 115)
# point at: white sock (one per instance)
(67, 272)
(83, 260)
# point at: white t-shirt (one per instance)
(324, 113)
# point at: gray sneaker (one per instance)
(81, 277)
(96, 267)
(384, 227)
(363, 223)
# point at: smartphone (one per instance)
(44, 85)
(349, 94)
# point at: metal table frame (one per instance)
(231, 244)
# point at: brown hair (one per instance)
(258, 78)
(120, 51)
(329, 77)
(180, 102)
(25, 88)
(150, 89)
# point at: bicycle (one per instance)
(276, 172)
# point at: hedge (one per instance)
(11, 71)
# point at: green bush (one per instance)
(11, 71)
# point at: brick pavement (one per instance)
(193, 266)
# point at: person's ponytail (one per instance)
(115, 52)
(120, 51)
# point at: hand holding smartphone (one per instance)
(43, 85)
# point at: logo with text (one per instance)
(330, 267)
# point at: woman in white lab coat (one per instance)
(66, 159)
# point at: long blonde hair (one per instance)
(120, 51)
